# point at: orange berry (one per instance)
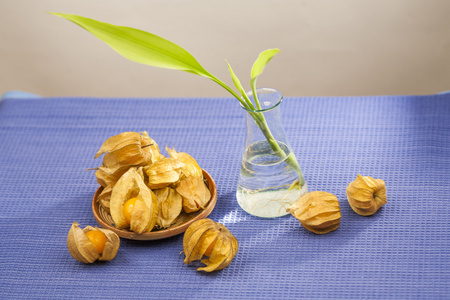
(128, 208)
(210, 248)
(97, 238)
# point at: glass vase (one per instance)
(270, 179)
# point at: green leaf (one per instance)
(258, 67)
(262, 60)
(238, 85)
(140, 46)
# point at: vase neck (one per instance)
(266, 100)
(266, 123)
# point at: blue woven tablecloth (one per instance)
(402, 251)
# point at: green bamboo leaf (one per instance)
(140, 46)
(262, 60)
(258, 67)
(238, 85)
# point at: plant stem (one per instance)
(260, 120)
(255, 96)
(231, 91)
(291, 159)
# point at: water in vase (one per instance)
(265, 181)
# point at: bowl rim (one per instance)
(160, 234)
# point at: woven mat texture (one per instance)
(401, 252)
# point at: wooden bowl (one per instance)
(183, 221)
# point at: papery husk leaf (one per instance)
(317, 211)
(111, 246)
(234, 249)
(163, 172)
(193, 235)
(366, 195)
(112, 243)
(195, 227)
(111, 178)
(79, 245)
(153, 148)
(125, 150)
(195, 193)
(200, 242)
(139, 216)
(125, 189)
(104, 198)
(191, 166)
(228, 248)
(106, 176)
(131, 185)
(170, 205)
(219, 255)
(322, 218)
(131, 154)
(119, 141)
(200, 236)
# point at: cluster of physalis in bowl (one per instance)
(144, 195)
(142, 189)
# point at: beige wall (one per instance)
(328, 47)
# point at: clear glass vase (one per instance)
(270, 179)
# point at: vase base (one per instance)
(269, 203)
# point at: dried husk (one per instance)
(104, 198)
(126, 149)
(106, 176)
(145, 211)
(163, 172)
(108, 180)
(170, 206)
(153, 148)
(318, 212)
(198, 239)
(82, 249)
(190, 164)
(195, 193)
(366, 195)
